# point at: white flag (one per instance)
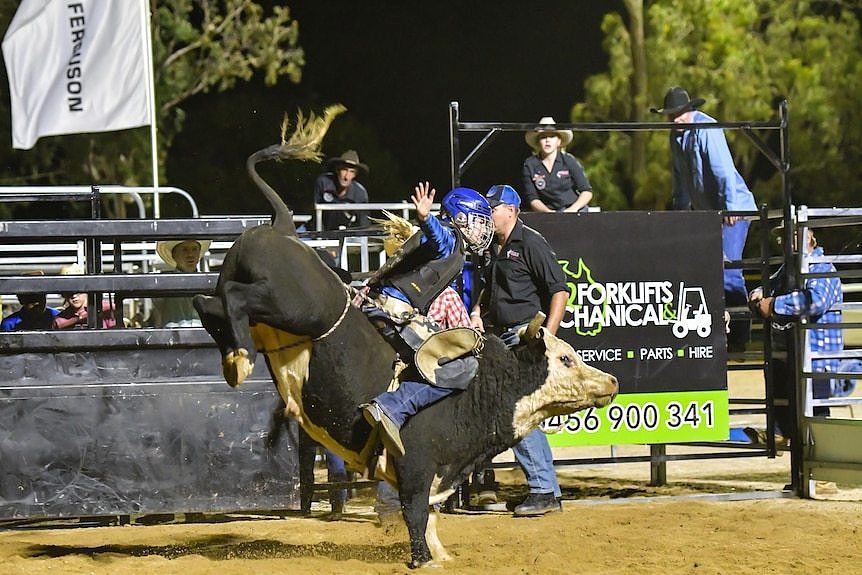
(77, 66)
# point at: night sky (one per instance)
(396, 68)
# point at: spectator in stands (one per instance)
(705, 178)
(554, 180)
(338, 185)
(34, 313)
(76, 311)
(522, 279)
(182, 256)
(783, 306)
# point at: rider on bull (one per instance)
(399, 295)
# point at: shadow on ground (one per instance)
(225, 547)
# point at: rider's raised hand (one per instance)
(423, 198)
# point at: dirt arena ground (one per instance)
(721, 516)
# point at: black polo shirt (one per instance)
(520, 279)
(326, 192)
(560, 187)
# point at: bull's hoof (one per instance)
(236, 367)
(430, 564)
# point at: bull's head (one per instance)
(570, 384)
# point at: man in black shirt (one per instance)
(522, 279)
(339, 186)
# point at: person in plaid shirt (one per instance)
(448, 311)
(784, 306)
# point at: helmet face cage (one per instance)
(476, 229)
(471, 214)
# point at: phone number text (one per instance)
(636, 417)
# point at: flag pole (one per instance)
(151, 89)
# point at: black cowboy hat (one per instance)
(676, 102)
(349, 158)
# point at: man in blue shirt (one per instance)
(705, 178)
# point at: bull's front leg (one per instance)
(214, 318)
(415, 510)
(414, 484)
(238, 299)
(211, 312)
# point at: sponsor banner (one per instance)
(645, 418)
(646, 302)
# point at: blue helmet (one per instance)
(470, 212)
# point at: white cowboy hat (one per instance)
(165, 249)
(547, 126)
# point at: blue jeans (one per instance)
(410, 398)
(534, 456)
(735, 292)
(336, 472)
(732, 244)
(387, 502)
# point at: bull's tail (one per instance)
(303, 144)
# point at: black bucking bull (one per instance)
(277, 297)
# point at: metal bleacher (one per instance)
(74, 399)
(119, 256)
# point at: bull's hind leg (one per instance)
(245, 304)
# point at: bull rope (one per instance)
(347, 300)
(326, 334)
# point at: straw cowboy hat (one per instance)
(547, 126)
(30, 273)
(350, 159)
(72, 270)
(677, 102)
(165, 249)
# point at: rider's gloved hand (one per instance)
(511, 337)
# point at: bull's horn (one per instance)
(532, 330)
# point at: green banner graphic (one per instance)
(671, 417)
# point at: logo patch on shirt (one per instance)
(328, 197)
(539, 181)
(513, 255)
(563, 174)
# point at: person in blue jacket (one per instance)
(705, 178)
(408, 284)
